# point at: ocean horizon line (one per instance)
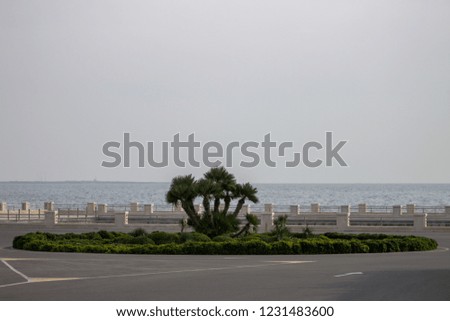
(256, 183)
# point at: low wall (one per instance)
(170, 222)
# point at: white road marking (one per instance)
(23, 259)
(291, 262)
(13, 284)
(34, 280)
(193, 270)
(15, 271)
(348, 274)
(28, 279)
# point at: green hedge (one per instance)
(196, 243)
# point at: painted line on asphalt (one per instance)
(35, 280)
(192, 270)
(27, 279)
(12, 284)
(15, 271)
(347, 274)
(290, 262)
(24, 259)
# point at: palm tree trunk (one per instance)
(239, 206)
(227, 204)
(206, 205)
(216, 204)
(190, 212)
(244, 229)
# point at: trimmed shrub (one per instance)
(105, 234)
(194, 237)
(282, 247)
(196, 243)
(208, 248)
(342, 246)
(265, 237)
(222, 238)
(164, 237)
(138, 232)
(358, 247)
(309, 246)
(256, 247)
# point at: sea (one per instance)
(77, 194)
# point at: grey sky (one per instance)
(76, 74)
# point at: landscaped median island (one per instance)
(140, 242)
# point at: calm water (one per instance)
(71, 193)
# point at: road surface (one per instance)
(28, 275)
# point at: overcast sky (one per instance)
(77, 74)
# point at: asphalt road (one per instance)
(70, 276)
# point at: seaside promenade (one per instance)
(344, 218)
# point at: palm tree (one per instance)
(217, 184)
(206, 188)
(250, 227)
(183, 189)
(244, 192)
(226, 183)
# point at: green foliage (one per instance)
(194, 237)
(282, 247)
(308, 232)
(138, 232)
(266, 237)
(217, 186)
(280, 229)
(164, 237)
(251, 226)
(197, 243)
(216, 223)
(222, 238)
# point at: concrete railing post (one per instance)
(268, 208)
(121, 219)
(266, 218)
(3, 207)
(345, 209)
(25, 206)
(447, 210)
(362, 208)
(342, 221)
(420, 221)
(51, 218)
(266, 222)
(410, 208)
(397, 210)
(295, 209)
(315, 208)
(149, 208)
(91, 208)
(134, 207)
(102, 208)
(49, 206)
